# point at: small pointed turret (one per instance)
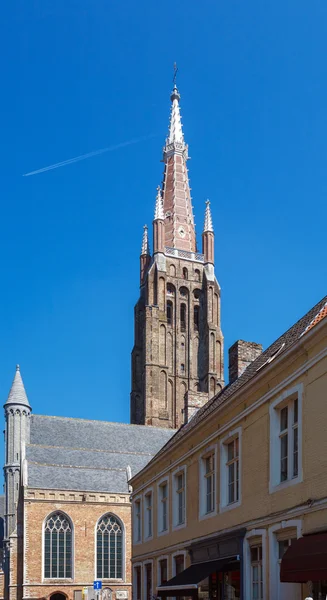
(208, 236)
(145, 257)
(207, 218)
(17, 394)
(159, 211)
(159, 225)
(145, 250)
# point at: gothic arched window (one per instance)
(197, 275)
(58, 547)
(109, 548)
(185, 273)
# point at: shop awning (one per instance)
(305, 560)
(186, 583)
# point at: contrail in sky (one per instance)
(70, 161)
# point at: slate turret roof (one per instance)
(77, 454)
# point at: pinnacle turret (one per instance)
(159, 210)
(145, 250)
(207, 218)
(17, 394)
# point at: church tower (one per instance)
(177, 359)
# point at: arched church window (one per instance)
(169, 312)
(109, 548)
(185, 273)
(183, 292)
(197, 294)
(170, 289)
(197, 275)
(183, 317)
(58, 547)
(196, 317)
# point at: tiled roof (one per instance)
(318, 317)
(78, 454)
(281, 345)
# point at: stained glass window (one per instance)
(58, 547)
(109, 548)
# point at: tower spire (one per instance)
(177, 206)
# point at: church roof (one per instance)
(77, 454)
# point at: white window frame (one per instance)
(160, 558)
(173, 564)
(160, 531)
(147, 562)
(134, 589)
(227, 439)
(275, 407)
(178, 471)
(275, 529)
(203, 514)
(251, 536)
(135, 539)
(146, 536)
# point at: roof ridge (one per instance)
(148, 427)
(82, 449)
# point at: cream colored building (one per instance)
(215, 511)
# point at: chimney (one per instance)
(240, 355)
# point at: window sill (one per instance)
(164, 532)
(227, 507)
(58, 579)
(275, 487)
(179, 526)
(207, 515)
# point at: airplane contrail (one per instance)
(70, 161)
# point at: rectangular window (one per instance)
(181, 498)
(178, 564)
(288, 440)
(163, 571)
(232, 465)
(138, 583)
(256, 573)
(137, 520)
(148, 581)
(210, 482)
(207, 483)
(148, 515)
(163, 507)
(179, 495)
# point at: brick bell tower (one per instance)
(177, 359)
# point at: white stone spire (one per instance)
(175, 127)
(207, 218)
(145, 250)
(159, 210)
(17, 394)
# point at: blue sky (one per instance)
(81, 75)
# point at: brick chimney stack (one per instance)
(240, 355)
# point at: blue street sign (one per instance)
(97, 585)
